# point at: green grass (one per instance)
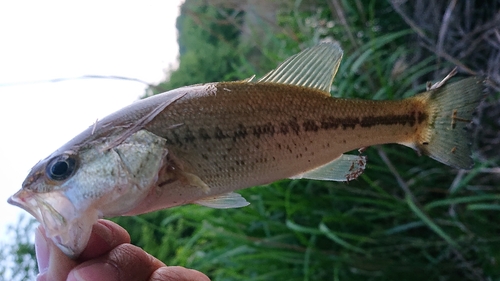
(406, 218)
(306, 230)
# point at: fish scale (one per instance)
(232, 144)
(198, 144)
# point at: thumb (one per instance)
(42, 250)
(52, 263)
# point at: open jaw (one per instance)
(68, 227)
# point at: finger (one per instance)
(41, 249)
(125, 262)
(54, 264)
(177, 273)
(105, 236)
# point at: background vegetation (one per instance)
(406, 217)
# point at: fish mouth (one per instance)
(38, 208)
(66, 226)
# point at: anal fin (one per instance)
(344, 168)
(223, 201)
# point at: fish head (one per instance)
(44, 194)
(70, 190)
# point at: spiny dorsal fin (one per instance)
(314, 67)
(249, 79)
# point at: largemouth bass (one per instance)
(198, 144)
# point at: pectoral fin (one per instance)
(224, 201)
(345, 168)
(194, 180)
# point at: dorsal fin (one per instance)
(249, 79)
(314, 67)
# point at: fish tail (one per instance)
(449, 111)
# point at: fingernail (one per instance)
(41, 277)
(95, 271)
(106, 233)
(42, 250)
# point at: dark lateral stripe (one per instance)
(189, 136)
(371, 121)
(266, 129)
(294, 126)
(241, 132)
(310, 125)
(412, 118)
(219, 134)
(203, 134)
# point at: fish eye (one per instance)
(61, 168)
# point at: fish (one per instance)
(198, 144)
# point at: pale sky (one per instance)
(42, 40)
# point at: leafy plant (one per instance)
(406, 217)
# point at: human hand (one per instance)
(108, 256)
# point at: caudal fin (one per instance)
(450, 111)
